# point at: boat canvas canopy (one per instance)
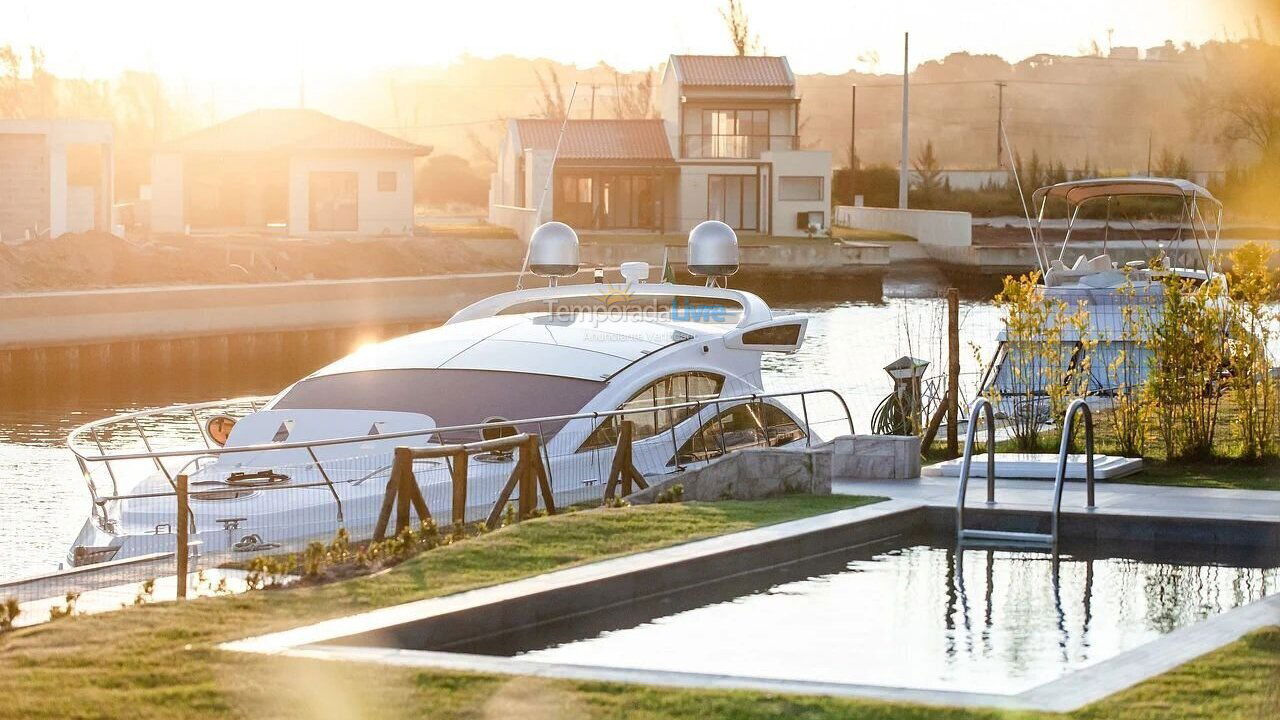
(1080, 191)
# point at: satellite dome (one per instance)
(553, 250)
(713, 249)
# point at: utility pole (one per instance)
(902, 172)
(853, 127)
(593, 102)
(1148, 153)
(1000, 124)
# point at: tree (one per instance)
(1172, 165)
(928, 170)
(633, 100)
(735, 21)
(1240, 92)
(553, 105)
(445, 179)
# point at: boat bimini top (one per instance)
(1193, 229)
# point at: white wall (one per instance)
(693, 192)
(537, 166)
(669, 106)
(167, 196)
(799, 163)
(58, 135)
(503, 186)
(380, 212)
(930, 227)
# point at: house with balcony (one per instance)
(725, 147)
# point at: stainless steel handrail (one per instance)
(983, 404)
(104, 456)
(1068, 425)
(99, 502)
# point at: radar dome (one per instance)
(553, 250)
(713, 249)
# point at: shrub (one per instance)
(1125, 371)
(1253, 390)
(1188, 357)
(9, 612)
(673, 494)
(1037, 365)
(57, 613)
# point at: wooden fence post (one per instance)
(528, 485)
(459, 474)
(184, 537)
(953, 371)
(623, 471)
(405, 477)
(540, 473)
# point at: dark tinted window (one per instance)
(670, 390)
(776, 335)
(450, 397)
(738, 427)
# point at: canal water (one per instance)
(43, 501)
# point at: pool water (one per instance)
(919, 616)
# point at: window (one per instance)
(777, 335)
(670, 390)
(334, 201)
(575, 188)
(739, 427)
(449, 397)
(732, 199)
(386, 181)
(800, 188)
(730, 134)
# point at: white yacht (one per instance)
(1106, 287)
(682, 362)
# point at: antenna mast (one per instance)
(1013, 168)
(546, 187)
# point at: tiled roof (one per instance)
(291, 130)
(733, 70)
(599, 139)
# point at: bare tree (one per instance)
(553, 105)
(1240, 90)
(735, 21)
(633, 100)
(481, 151)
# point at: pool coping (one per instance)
(1069, 692)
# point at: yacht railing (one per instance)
(89, 457)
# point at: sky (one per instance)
(270, 41)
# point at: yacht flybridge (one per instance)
(1106, 286)
(566, 362)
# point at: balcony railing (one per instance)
(733, 147)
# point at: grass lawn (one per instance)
(159, 661)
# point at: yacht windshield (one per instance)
(450, 397)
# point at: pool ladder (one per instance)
(1005, 537)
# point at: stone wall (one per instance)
(754, 473)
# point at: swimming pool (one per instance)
(922, 615)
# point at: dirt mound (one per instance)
(101, 260)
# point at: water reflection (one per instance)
(1008, 621)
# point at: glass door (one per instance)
(734, 200)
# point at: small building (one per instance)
(56, 176)
(726, 147)
(297, 171)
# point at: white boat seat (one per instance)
(1060, 274)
